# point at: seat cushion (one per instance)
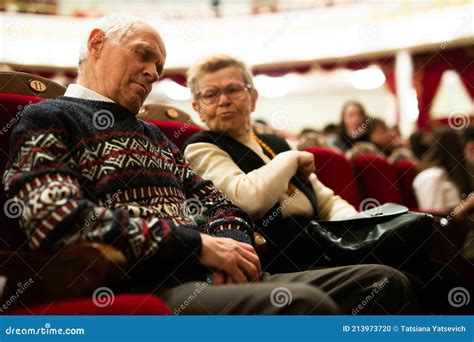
(177, 132)
(125, 304)
(377, 179)
(335, 172)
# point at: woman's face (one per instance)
(353, 120)
(224, 101)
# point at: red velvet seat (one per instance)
(177, 132)
(127, 304)
(17, 90)
(406, 172)
(377, 179)
(334, 171)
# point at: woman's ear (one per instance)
(197, 109)
(96, 42)
(254, 98)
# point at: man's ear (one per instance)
(254, 98)
(95, 42)
(197, 109)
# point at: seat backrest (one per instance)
(406, 172)
(376, 179)
(335, 172)
(164, 112)
(177, 132)
(17, 90)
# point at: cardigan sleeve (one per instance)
(256, 192)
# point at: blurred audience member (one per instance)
(331, 132)
(443, 177)
(262, 127)
(382, 141)
(468, 143)
(419, 142)
(310, 137)
(353, 125)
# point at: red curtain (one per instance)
(429, 68)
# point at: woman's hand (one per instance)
(306, 164)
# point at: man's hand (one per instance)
(305, 164)
(236, 260)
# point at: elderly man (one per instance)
(87, 170)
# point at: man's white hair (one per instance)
(115, 27)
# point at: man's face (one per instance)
(125, 71)
(230, 108)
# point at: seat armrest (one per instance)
(75, 271)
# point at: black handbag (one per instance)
(387, 234)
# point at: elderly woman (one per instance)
(259, 173)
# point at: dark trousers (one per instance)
(358, 289)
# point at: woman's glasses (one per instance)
(235, 91)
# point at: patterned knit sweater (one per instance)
(90, 171)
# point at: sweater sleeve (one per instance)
(219, 216)
(44, 180)
(256, 192)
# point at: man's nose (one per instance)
(151, 73)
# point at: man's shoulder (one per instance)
(59, 112)
(43, 110)
(48, 105)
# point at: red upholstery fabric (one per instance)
(177, 132)
(11, 109)
(406, 172)
(334, 171)
(377, 179)
(127, 304)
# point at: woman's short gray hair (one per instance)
(115, 27)
(215, 63)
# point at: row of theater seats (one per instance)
(369, 181)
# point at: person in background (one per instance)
(262, 127)
(443, 178)
(419, 142)
(331, 132)
(310, 137)
(468, 143)
(466, 209)
(383, 141)
(353, 125)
